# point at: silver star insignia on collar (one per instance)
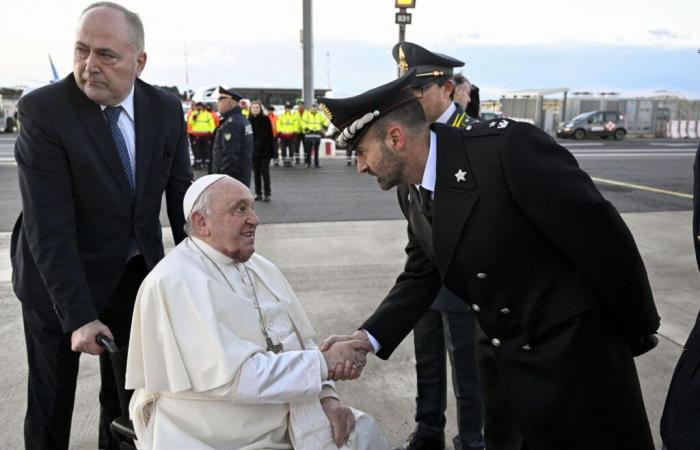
(502, 124)
(492, 124)
(461, 175)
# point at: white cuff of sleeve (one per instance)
(375, 344)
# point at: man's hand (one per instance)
(358, 335)
(83, 339)
(345, 360)
(341, 418)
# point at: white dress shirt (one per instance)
(127, 127)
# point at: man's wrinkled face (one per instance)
(232, 222)
(434, 99)
(375, 157)
(105, 60)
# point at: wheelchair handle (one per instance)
(107, 343)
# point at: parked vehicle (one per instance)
(591, 124)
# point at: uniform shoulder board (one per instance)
(248, 129)
(494, 126)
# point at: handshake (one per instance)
(346, 356)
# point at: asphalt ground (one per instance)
(336, 193)
(340, 241)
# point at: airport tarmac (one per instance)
(340, 271)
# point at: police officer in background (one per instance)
(449, 325)
(233, 142)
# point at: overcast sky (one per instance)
(630, 46)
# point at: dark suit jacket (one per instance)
(555, 275)
(680, 423)
(70, 243)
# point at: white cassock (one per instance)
(198, 364)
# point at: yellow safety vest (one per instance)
(202, 122)
(287, 123)
(311, 122)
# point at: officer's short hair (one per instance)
(133, 19)
(410, 115)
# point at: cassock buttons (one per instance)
(475, 307)
(698, 237)
(481, 275)
(505, 311)
(527, 347)
(496, 342)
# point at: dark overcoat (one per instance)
(233, 146)
(680, 423)
(553, 275)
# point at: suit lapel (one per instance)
(454, 198)
(145, 122)
(97, 129)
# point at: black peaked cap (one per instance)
(427, 64)
(228, 93)
(345, 112)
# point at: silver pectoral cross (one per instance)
(274, 348)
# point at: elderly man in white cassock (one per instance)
(222, 355)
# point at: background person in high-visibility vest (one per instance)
(313, 124)
(287, 132)
(202, 124)
(299, 131)
(276, 145)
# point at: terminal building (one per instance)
(647, 116)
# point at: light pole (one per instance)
(308, 46)
(403, 18)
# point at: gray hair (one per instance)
(132, 19)
(202, 206)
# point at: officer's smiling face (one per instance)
(375, 157)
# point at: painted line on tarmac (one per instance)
(633, 155)
(642, 187)
(583, 144)
(673, 144)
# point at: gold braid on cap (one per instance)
(436, 73)
(327, 112)
(403, 65)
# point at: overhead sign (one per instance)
(405, 3)
(403, 18)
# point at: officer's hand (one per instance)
(83, 339)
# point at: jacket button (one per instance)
(698, 237)
(475, 307)
(481, 275)
(505, 311)
(496, 342)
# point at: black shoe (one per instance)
(308, 165)
(267, 198)
(317, 166)
(277, 163)
(296, 162)
(349, 163)
(422, 441)
(258, 198)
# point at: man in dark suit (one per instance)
(680, 423)
(95, 153)
(503, 216)
(444, 329)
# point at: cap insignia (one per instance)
(403, 65)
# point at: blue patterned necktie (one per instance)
(112, 114)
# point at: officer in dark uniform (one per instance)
(680, 423)
(233, 141)
(449, 324)
(502, 216)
